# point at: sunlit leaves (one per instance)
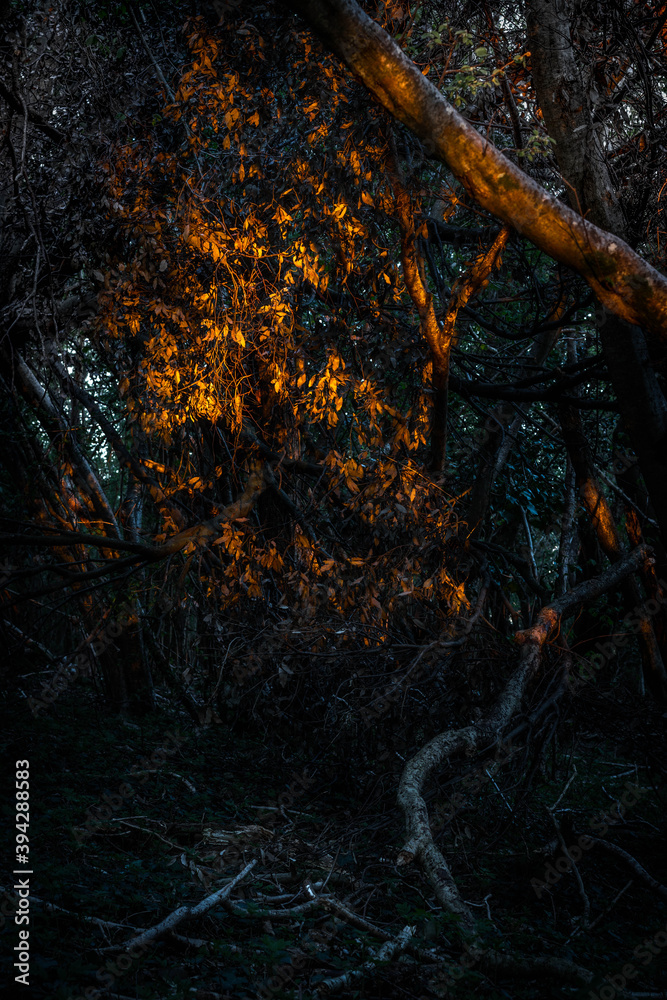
(260, 250)
(280, 215)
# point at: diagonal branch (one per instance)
(439, 335)
(35, 119)
(623, 281)
(187, 912)
(638, 869)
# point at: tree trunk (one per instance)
(653, 667)
(565, 98)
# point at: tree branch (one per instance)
(420, 844)
(627, 284)
(33, 117)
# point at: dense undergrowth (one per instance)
(323, 810)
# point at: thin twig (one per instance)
(152, 58)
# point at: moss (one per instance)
(604, 268)
(506, 182)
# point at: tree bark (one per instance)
(625, 283)
(653, 667)
(563, 91)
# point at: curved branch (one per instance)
(420, 844)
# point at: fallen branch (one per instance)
(384, 954)
(632, 863)
(335, 906)
(110, 925)
(188, 912)
(600, 918)
(241, 910)
(420, 845)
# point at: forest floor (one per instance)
(133, 818)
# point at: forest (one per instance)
(333, 499)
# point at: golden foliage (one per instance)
(253, 294)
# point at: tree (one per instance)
(326, 383)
